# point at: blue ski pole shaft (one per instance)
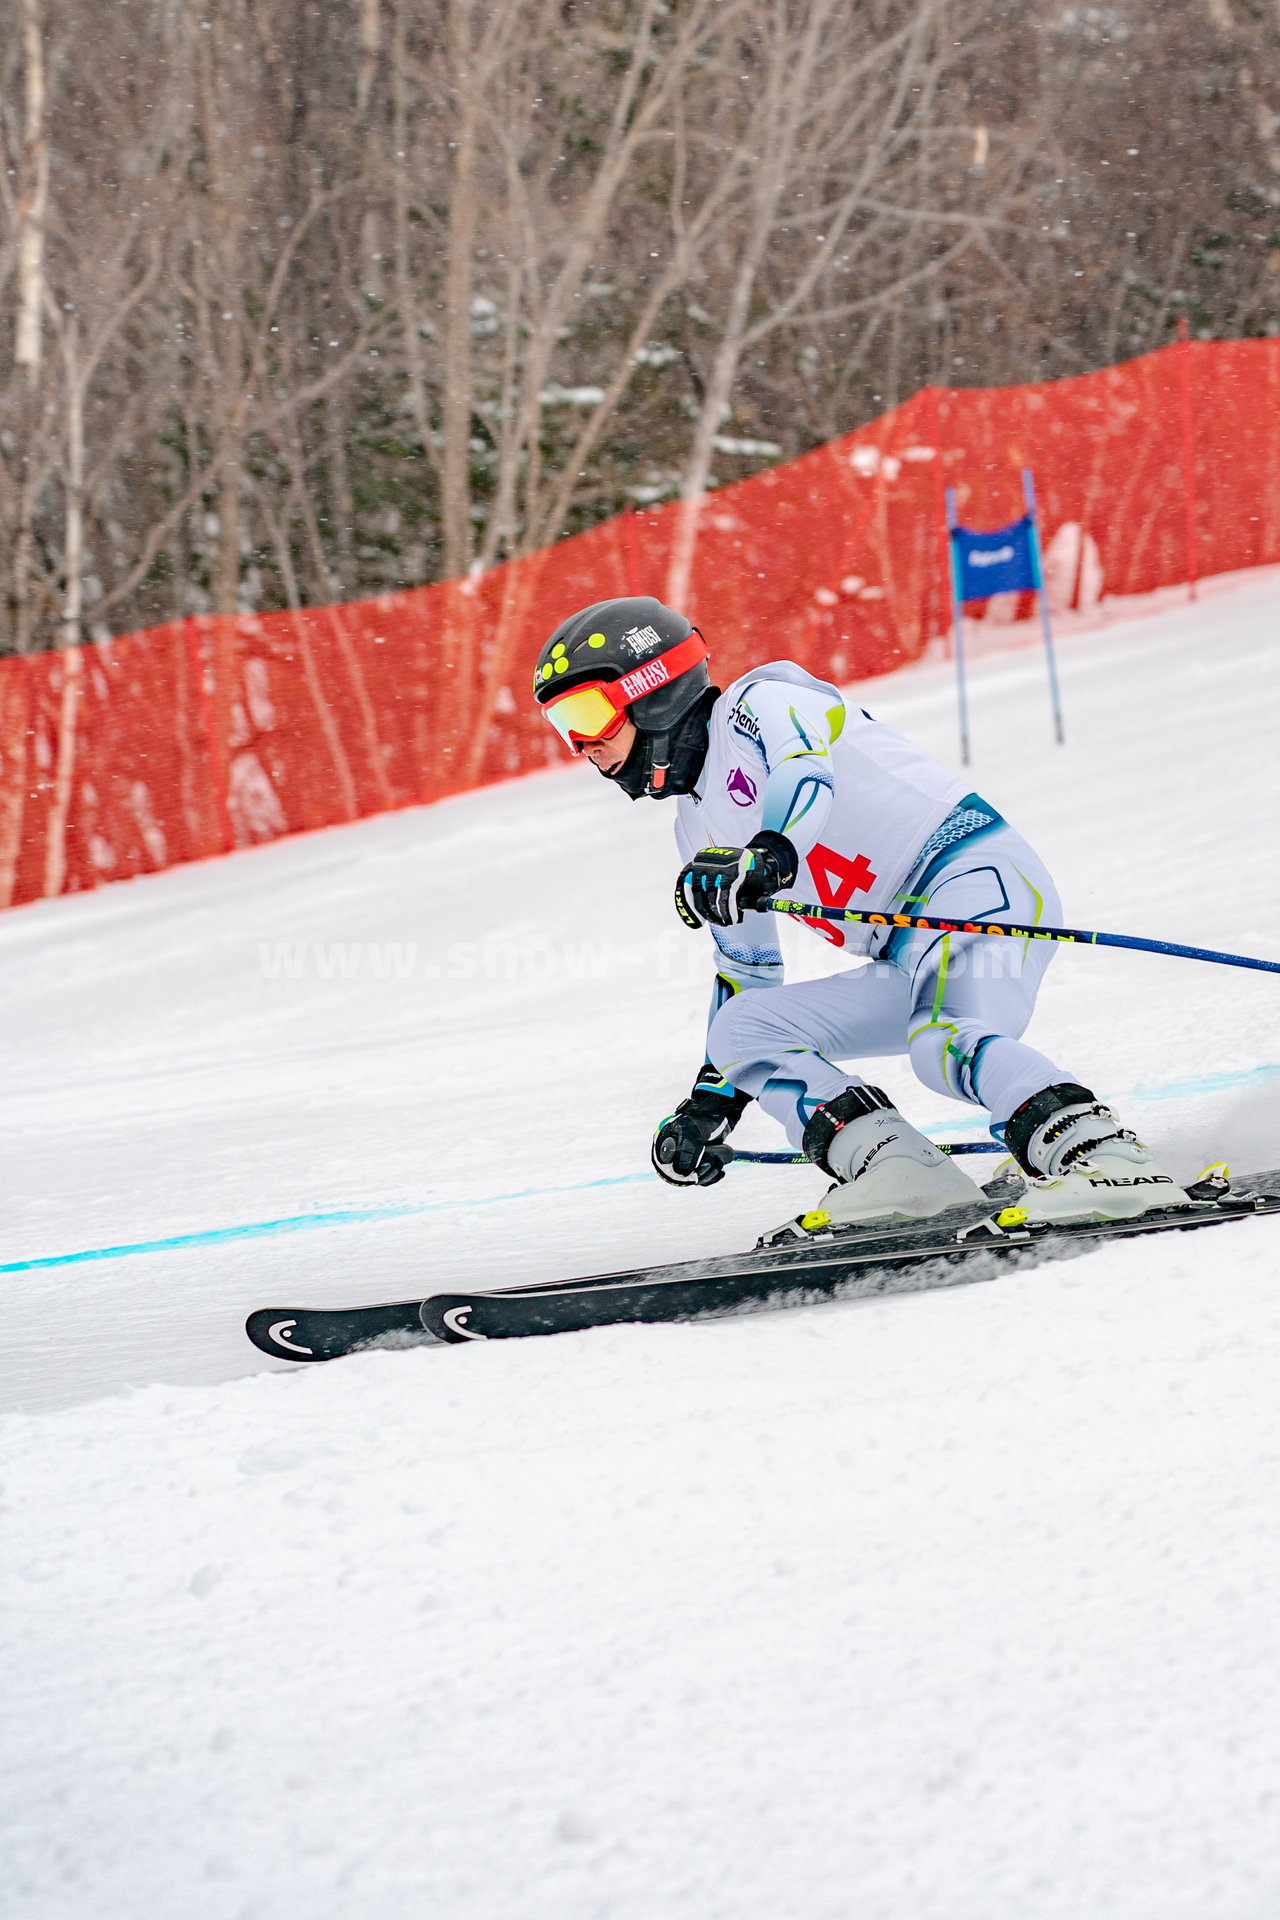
(1071, 936)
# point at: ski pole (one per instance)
(1073, 936)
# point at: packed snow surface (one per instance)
(948, 1606)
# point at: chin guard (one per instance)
(661, 766)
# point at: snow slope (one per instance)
(941, 1607)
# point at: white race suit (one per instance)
(879, 824)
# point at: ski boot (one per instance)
(884, 1170)
(1081, 1164)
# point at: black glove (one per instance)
(723, 883)
(689, 1148)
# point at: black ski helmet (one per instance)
(626, 640)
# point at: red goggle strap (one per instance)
(657, 673)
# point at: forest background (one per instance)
(307, 300)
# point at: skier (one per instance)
(783, 788)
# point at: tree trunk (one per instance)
(15, 714)
(455, 410)
(226, 570)
(20, 559)
(32, 199)
(370, 47)
(55, 842)
(341, 505)
(406, 293)
(73, 556)
(715, 406)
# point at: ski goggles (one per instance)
(595, 710)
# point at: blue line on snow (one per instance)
(1208, 1083)
(303, 1223)
(359, 1216)
(1174, 1090)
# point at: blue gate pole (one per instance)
(957, 618)
(1055, 701)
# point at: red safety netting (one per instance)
(206, 734)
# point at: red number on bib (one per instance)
(835, 881)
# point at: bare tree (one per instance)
(823, 147)
(33, 195)
(542, 133)
(306, 302)
(28, 482)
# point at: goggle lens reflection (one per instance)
(585, 715)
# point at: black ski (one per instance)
(845, 1264)
(317, 1333)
